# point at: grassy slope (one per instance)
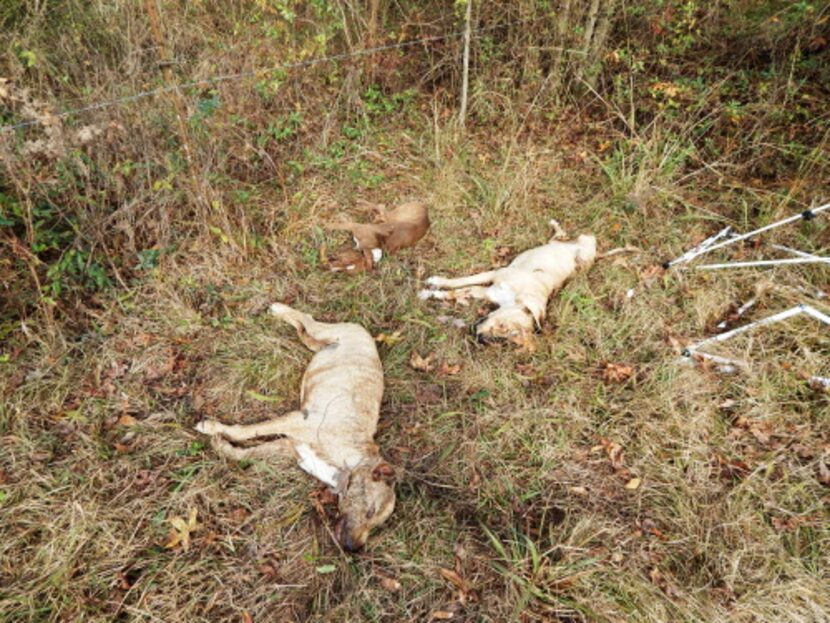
(504, 474)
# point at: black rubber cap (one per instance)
(808, 215)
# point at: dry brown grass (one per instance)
(552, 491)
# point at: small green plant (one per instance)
(285, 127)
(55, 243)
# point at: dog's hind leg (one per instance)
(287, 424)
(315, 335)
(278, 447)
(478, 279)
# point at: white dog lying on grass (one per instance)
(331, 434)
(521, 289)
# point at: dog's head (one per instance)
(367, 500)
(505, 322)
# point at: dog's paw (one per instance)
(279, 309)
(425, 295)
(435, 282)
(208, 427)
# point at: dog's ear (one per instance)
(383, 230)
(384, 472)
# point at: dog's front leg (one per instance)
(278, 447)
(283, 425)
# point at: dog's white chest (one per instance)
(311, 463)
(501, 294)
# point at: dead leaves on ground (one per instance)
(500, 257)
(390, 339)
(422, 364)
(616, 372)
(616, 456)
(389, 583)
(464, 590)
(426, 364)
(613, 451)
(181, 531)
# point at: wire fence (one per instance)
(333, 58)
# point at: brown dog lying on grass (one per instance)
(331, 435)
(522, 289)
(401, 228)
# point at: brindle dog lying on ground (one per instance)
(393, 230)
(331, 434)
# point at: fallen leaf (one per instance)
(157, 371)
(422, 364)
(578, 490)
(651, 273)
(526, 369)
(323, 498)
(390, 584)
(732, 468)
(449, 369)
(452, 577)
(268, 570)
(442, 615)
(633, 484)
(500, 256)
(614, 451)
(326, 569)
(389, 339)
(247, 618)
(239, 514)
(429, 394)
(127, 420)
(180, 534)
(616, 372)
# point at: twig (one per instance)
(465, 78)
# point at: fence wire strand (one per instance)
(333, 58)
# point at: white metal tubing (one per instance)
(722, 337)
(688, 255)
(718, 359)
(812, 311)
(781, 247)
(789, 260)
(790, 219)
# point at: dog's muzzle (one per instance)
(344, 536)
